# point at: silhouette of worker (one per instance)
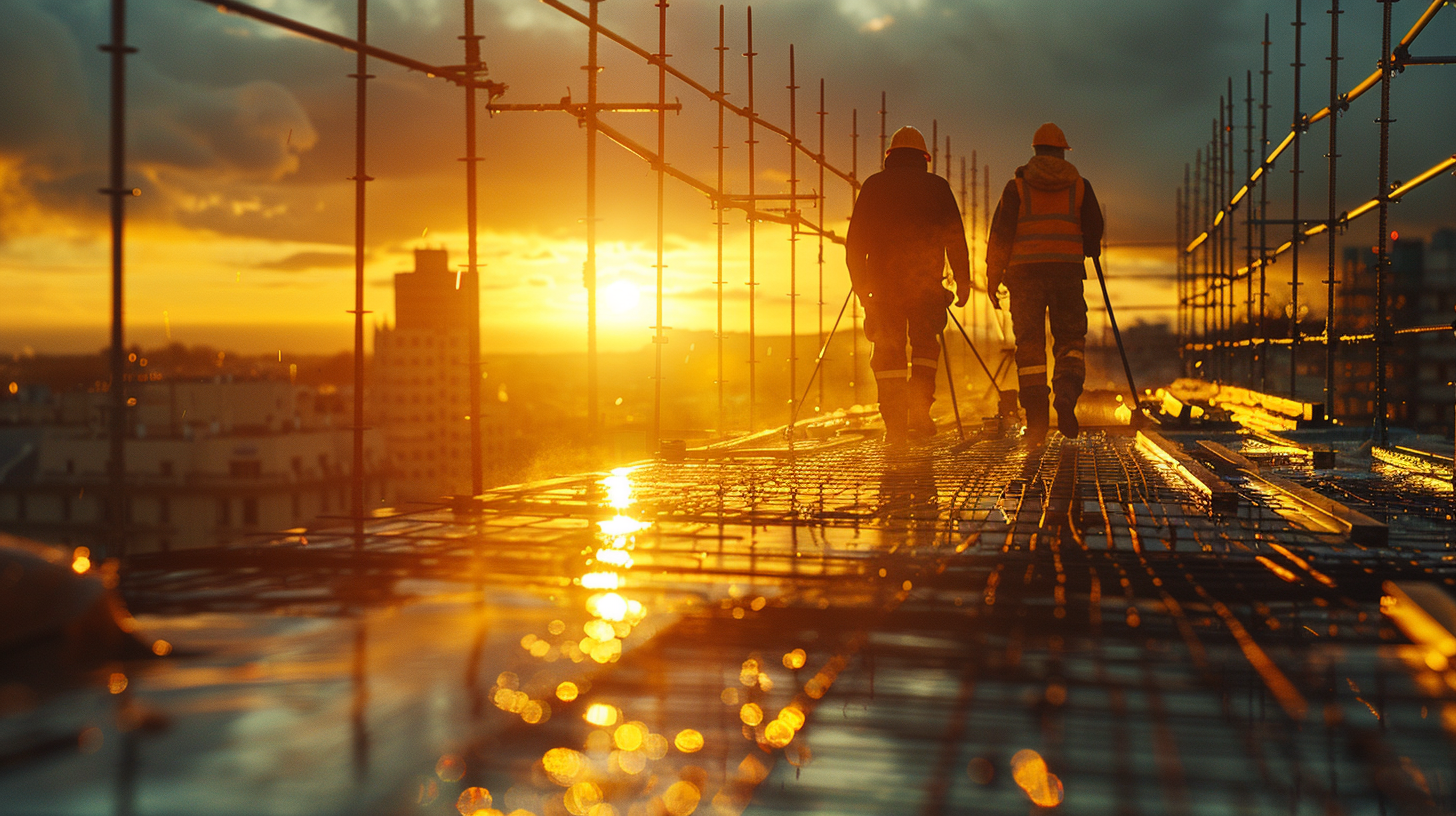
(905, 226)
(1047, 221)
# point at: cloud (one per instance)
(302, 261)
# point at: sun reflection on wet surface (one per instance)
(622, 657)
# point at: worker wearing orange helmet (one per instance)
(1048, 220)
(904, 228)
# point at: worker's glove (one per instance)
(993, 285)
(963, 294)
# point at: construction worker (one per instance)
(1047, 221)
(905, 226)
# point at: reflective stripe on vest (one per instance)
(1049, 225)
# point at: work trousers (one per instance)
(891, 319)
(1037, 300)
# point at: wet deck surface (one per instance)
(834, 632)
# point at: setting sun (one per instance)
(621, 297)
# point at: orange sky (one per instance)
(240, 141)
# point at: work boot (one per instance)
(893, 412)
(1034, 405)
(1066, 416)
(919, 399)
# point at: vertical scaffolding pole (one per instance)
(1263, 215)
(473, 69)
(1333, 156)
(934, 147)
(793, 211)
(361, 78)
(752, 237)
(116, 492)
(1250, 214)
(1296, 230)
(970, 240)
(1382, 331)
(986, 235)
(883, 114)
(975, 211)
(658, 338)
(1200, 293)
(822, 199)
(1215, 237)
(589, 271)
(722, 51)
(854, 301)
(1229, 254)
(1180, 240)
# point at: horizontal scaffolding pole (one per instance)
(711, 191)
(1320, 227)
(721, 98)
(456, 74)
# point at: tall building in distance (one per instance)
(1420, 290)
(421, 379)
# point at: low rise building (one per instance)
(207, 463)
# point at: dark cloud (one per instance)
(238, 129)
(302, 261)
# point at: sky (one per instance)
(240, 143)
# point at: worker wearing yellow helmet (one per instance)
(1048, 220)
(904, 228)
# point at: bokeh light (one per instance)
(688, 741)
(473, 801)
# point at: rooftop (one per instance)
(965, 626)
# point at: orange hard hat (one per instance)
(909, 137)
(1049, 135)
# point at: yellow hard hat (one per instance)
(1049, 135)
(909, 137)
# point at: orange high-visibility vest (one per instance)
(1049, 225)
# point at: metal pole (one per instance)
(823, 198)
(589, 271)
(970, 241)
(361, 79)
(473, 67)
(658, 338)
(949, 379)
(752, 237)
(1249, 216)
(1382, 330)
(1297, 231)
(934, 147)
(883, 113)
(1334, 157)
(1220, 199)
(975, 226)
(1230, 250)
(1200, 210)
(853, 301)
(1264, 106)
(722, 51)
(1116, 335)
(117, 191)
(1180, 241)
(793, 89)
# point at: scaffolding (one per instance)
(1206, 267)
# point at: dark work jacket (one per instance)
(1003, 229)
(904, 228)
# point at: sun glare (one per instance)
(621, 297)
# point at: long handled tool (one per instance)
(1117, 335)
(818, 363)
(974, 353)
(950, 381)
